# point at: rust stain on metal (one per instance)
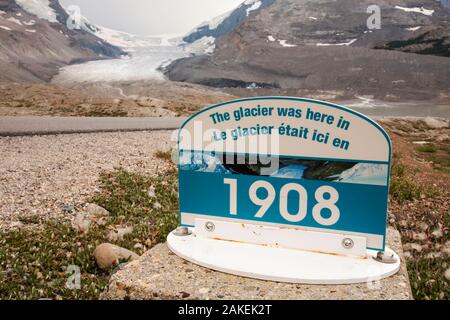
(277, 245)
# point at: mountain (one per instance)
(35, 41)
(294, 45)
(227, 22)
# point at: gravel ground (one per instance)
(44, 175)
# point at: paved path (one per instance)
(26, 126)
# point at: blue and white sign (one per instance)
(286, 162)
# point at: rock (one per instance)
(403, 223)
(95, 210)
(118, 234)
(423, 226)
(420, 236)
(157, 205)
(434, 255)
(442, 137)
(16, 225)
(203, 290)
(437, 233)
(151, 192)
(160, 274)
(447, 274)
(435, 123)
(412, 246)
(81, 223)
(68, 208)
(108, 255)
(446, 248)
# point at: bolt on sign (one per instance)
(286, 163)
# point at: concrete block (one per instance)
(160, 274)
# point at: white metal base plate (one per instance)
(280, 264)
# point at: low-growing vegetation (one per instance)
(438, 154)
(164, 155)
(424, 233)
(404, 187)
(420, 204)
(35, 262)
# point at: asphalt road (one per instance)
(26, 126)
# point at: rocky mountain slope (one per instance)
(326, 45)
(35, 41)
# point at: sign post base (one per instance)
(275, 263)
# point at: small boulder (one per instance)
(412, 246)
(95, 210)
(420, 236)
(436, 123)
(151, 192)
(447, 274)
(81, 223)
(437, 233)
(68, 208)
(119, 233)
(446, 248)
(434, 255)
(157, 206)
(108, 255)
(16, 225)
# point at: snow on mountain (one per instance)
(285, 44)
(205, 45)
(36, 41)
(421, 10)
(40, 8)
(310, 45)
(254, 5)
(349, 43)
(119, 38)
(44, 9)
(227, 22)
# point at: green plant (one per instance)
(34, 260)
(164, 155)
(403, 187)
(428, 148)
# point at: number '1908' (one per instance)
(266, 203)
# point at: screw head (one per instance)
(182, 232)
(209, 226)
(348, 243)
(385, 257)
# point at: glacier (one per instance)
(365, 173)
(147, 55)
(359, 173)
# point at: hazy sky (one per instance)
(147, 17)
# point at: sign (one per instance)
(286, 162)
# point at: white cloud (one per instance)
(144, 17)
